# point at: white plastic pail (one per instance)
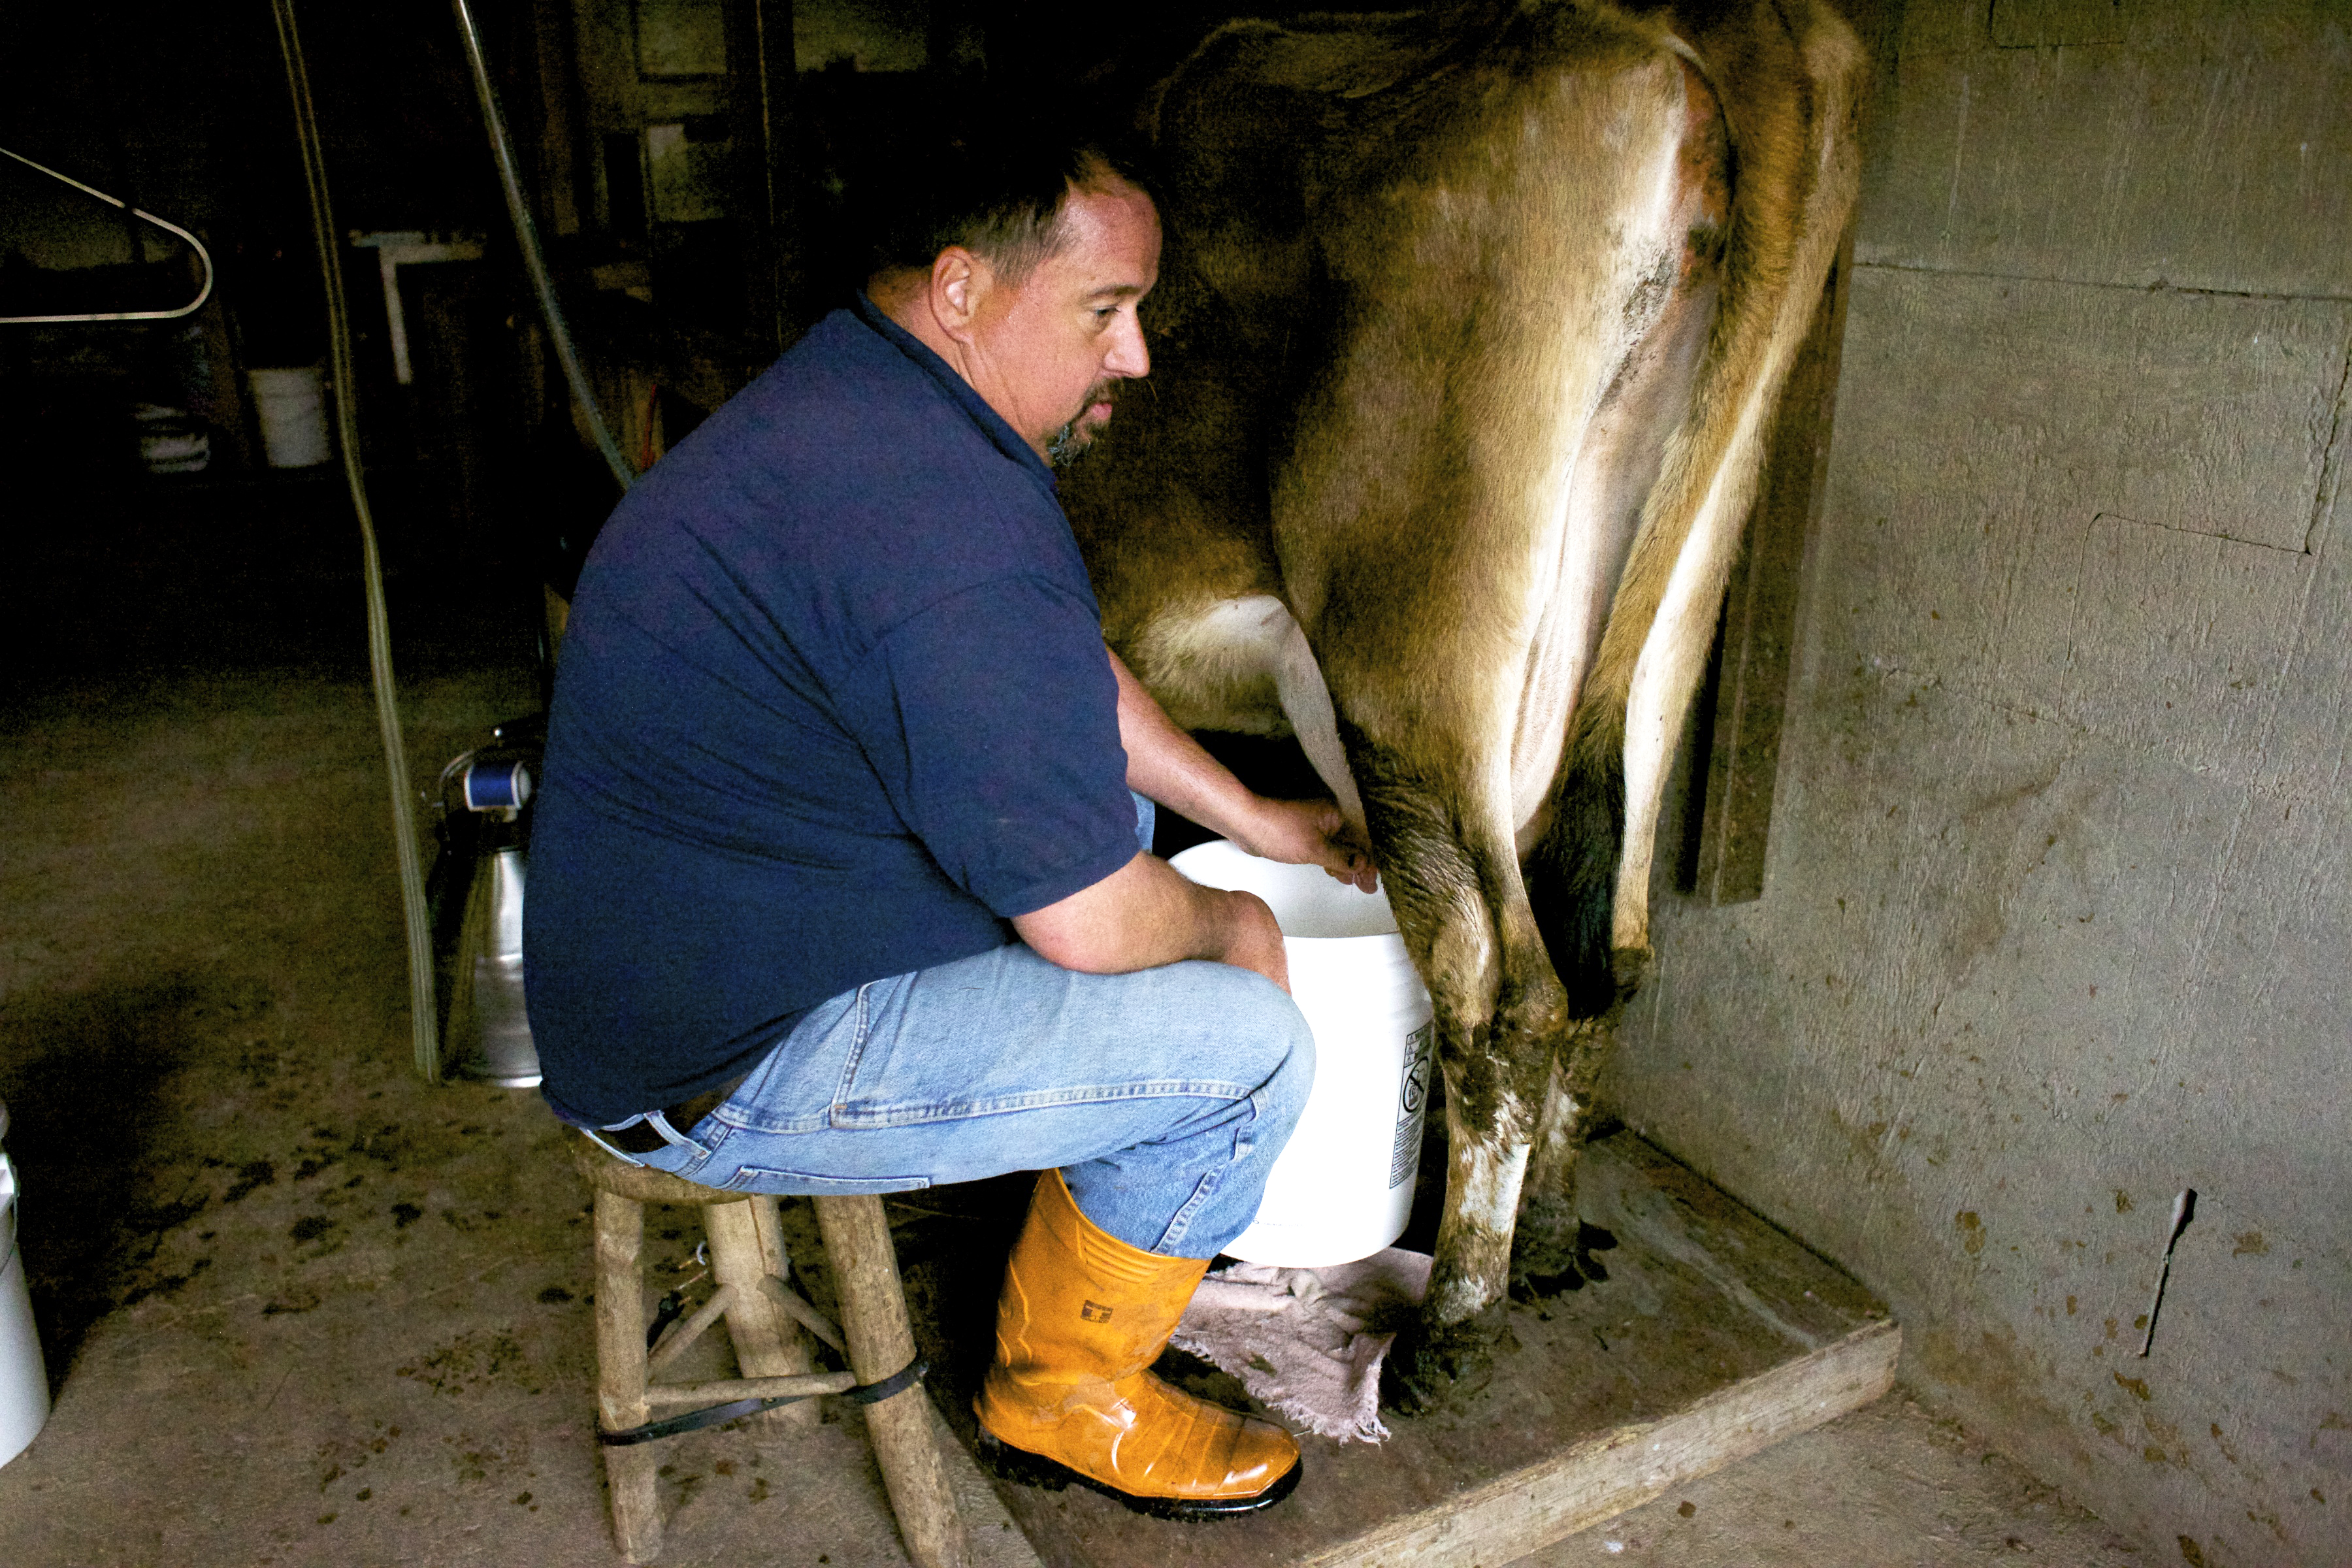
(24, 1380)
(293, 416)
(1342, 1188)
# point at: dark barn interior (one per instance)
(2006, 897)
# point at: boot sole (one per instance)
(1006, 1462)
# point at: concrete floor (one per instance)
(302, 1308)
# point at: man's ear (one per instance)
(959, 284)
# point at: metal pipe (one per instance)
(189, 309)
(424, 1020)
(534, 260)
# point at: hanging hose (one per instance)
(533, 259)
(343, 382)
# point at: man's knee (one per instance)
(1280, 1050)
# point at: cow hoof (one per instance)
(1628, 967)
(1431, 1364)
(1540, 1270)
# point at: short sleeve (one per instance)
(992, 719)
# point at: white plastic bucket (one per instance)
(1342, 1188)
(293, 409)
(24, 1380)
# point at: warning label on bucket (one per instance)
(1413, 1105)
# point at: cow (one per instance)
(1470, 330)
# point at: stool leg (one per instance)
(746, 1242)
(621, 1374)
(874, 1322)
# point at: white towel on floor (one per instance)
(1301, 1340)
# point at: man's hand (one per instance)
(1309, 833)
(1254, 941)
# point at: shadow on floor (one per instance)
(86, 1075)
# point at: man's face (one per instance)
(1047, 353)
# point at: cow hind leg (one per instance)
(1552, 1248)
(1573, 870)
(1454, 882)
(1485, 1165)
(1590, 873)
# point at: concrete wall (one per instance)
(2058, 916)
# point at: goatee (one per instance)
(1067, 444)
(1062, 448)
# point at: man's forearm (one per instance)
(1166, 764)
(1146, 914)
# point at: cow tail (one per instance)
(1571, 876)
(1588, 877)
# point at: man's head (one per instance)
(1025, 274)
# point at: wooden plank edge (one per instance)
(1602, 1476)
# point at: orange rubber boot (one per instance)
(1082, 1317)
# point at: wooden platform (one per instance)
(1712, 1336)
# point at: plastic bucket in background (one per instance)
(293, 409)
(1342, 1188)
(24, 1380)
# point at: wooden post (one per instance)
(874, 1321)
(1739, 709)
(761, 78)
(746, 1243)
(562, 120)
(621, 1374)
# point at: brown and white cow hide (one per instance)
(1470, 328)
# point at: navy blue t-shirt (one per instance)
(834, 705)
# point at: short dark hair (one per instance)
(996, 189)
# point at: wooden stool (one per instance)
(747, 1269)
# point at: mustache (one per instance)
(1116, 390)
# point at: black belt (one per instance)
(644, 1137)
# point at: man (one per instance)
(835, 726)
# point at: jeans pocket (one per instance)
(802, 1184)
(685, 1161)
(875, 998)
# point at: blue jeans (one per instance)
(1163, 1095)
